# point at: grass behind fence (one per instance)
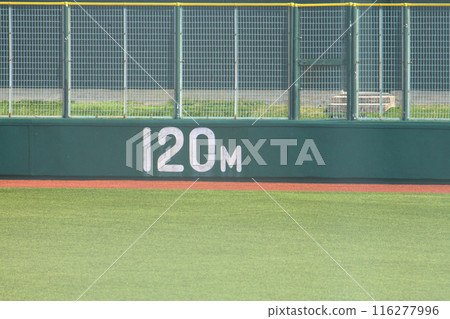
(206, 109)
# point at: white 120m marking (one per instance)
(308, 152)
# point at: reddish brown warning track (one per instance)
(311, 187)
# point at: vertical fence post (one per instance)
(349, 61)
(125, 62)
(406, 63)
(352, 62)
(354, 109)
(294, 69)
(67, 63)
(10, 39)
(178, 107)
(236, 61)
(380, 59)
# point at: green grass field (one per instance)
(193, 108)
(211, 109)
(222, 245)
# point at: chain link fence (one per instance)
(380, 63)
(150, 61)
(31, 81)
(97, 71)
(4, 61)
(228, 61)
(323, 85)
(430, 63)
(208, 62)
(263, 62)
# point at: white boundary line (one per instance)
(135, 241)
(315, 241)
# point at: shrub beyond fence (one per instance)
(297, 61)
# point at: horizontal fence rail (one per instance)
(222, 60)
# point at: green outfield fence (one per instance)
(386, 61)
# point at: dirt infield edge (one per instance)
(204, 185)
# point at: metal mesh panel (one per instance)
(263, 62)
(37, 57)
(322, 85)
(392, 58)
(97, 62)
(235, 61)
(380, 49)
(208, 68)
(430, 67)
(4, 61)
(150, 43)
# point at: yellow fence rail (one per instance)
(193, 4)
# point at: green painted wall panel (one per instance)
(76, 151)
(14, 150)
(97, 148)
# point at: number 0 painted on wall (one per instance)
(193, 149)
